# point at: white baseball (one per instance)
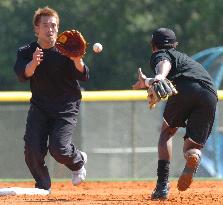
(97, 47)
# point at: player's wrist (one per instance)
(30, 68)
(159, 77)
(34, 64)
(148, 82)
(79, 64)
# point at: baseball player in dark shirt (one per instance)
(55, 101)
(193, 108)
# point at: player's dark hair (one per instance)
(164, 46)
(46, 11)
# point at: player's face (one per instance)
(47, 29)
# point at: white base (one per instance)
(21, 191)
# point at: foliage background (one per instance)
(124, 28)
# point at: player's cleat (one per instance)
(80, 175)
(186, 178)
(37, 187)
(161, 191)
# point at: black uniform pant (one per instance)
(45, 131)
(194, 108)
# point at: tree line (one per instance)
(123, 27)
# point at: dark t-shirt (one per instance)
(55, 81)
(183, 67)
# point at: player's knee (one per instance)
(191, 147)
(193, 151)
(165, 136)
(58, 153)
(171, 130)
(168, 132)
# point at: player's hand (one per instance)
(140, 84)
(32, 65)
(37, 56)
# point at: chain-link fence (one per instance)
(120, 138)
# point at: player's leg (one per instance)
(62, 148)
(175, 115)
(165, 155)
(198, 129)
(36, 147)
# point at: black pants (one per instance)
(46, 131)
(194, 108)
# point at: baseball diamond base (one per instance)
(11, 191)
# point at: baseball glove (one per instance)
(140, 84)
(160, 90)
(71, 43)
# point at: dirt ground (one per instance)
(116, 193)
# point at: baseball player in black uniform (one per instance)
(193, 108)
(55, 101)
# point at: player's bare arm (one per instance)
(162, 69)
(32, 65)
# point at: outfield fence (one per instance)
(115, 128)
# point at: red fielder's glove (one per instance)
(71, 43)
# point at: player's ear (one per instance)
(58, 27)
(36, 30)
(175, 44)
(153, 47)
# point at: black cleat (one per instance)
(161, 191)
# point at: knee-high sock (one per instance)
(163, 171)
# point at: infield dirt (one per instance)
(117, 193)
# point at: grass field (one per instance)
(203, 192)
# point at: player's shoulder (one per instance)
(161, 54)
(28, 47)
(177, 53)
